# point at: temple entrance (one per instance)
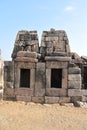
(56, 78)
(25, 78)
(85, 77)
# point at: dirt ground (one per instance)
(30, 116)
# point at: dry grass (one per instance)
(30, 116)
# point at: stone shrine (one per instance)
(49, 73)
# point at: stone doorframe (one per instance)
(24, 65)
(56, 91)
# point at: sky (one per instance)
(68, 15)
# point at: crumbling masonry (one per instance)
(50, 73)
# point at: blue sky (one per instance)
(68, 15)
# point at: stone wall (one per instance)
(9, 80)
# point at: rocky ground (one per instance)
(30, 116)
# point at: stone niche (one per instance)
(26, 41)
(24, 82)
(25, 56)
(55, 51)
(56, 78)
(54, 43)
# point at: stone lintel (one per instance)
(26, 59)
(56, 64)
(57, 58)
(25, 65)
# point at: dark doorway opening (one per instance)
(56, 78)
(85, 77)
(25, 78)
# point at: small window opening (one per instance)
(56, 78)
(25, 78)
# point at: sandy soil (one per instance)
(30, 116)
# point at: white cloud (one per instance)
(69, 8)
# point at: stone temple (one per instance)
(49, 73)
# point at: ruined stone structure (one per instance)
(50, 73)
(1, 77)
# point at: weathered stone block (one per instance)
(8, 94)
(84, 58)
(64, 78)
(28, 48)
(65, 38)
(49, 45)
(61, 38)
(48, 78)
(40, 75)
(84, 92)
(49, 50)
(38, 99)
(1, 94)
(9, 91)
(74, 77)
(27, 54)
(24, 92)
(50, 100)
(67, 48)
(39, 92)
(35, 48)
(76, 98)
(74, 70)
(23, 98)
(9, 71)
(51, 38)
(59, 46)
(74, 92)
(32, 78)
(64, 100)
(8, 84)
(56, 64)
(54, 92)
(84, 99)
(61, 33)
(74, 84)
